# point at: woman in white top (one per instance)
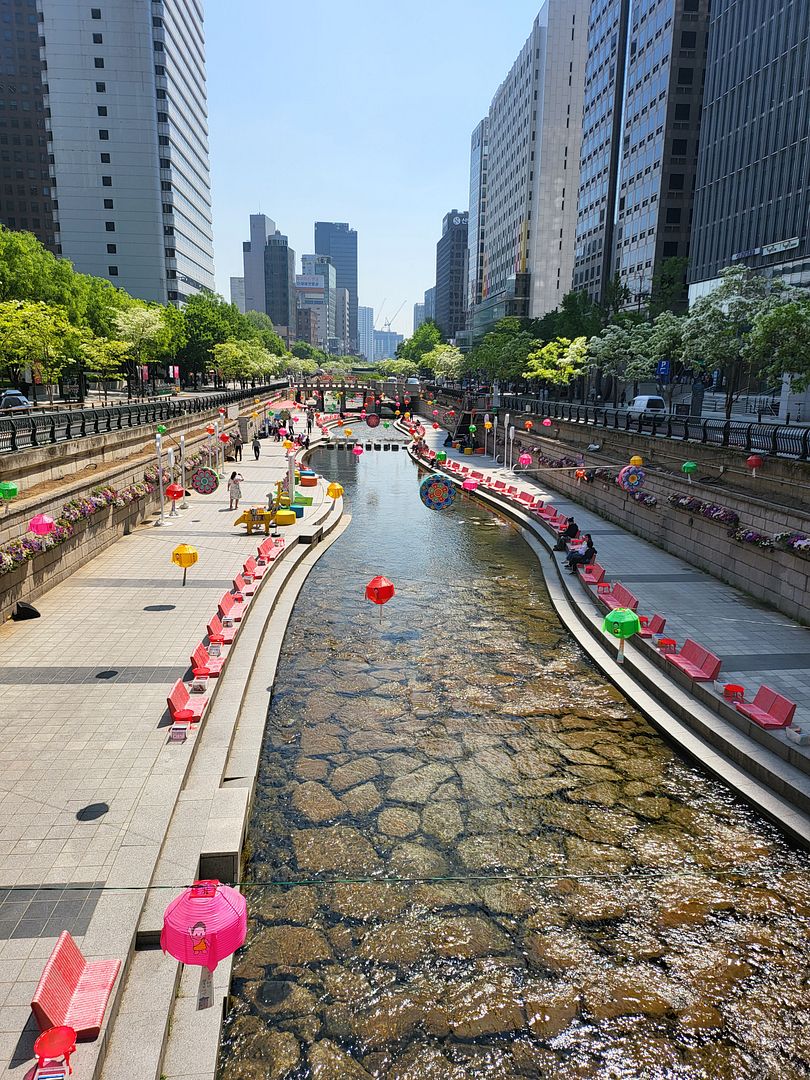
(235, 490)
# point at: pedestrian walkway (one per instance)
(756, 644)
(88, 780)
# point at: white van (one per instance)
(647, 405)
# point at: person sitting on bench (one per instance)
(568, 533)
(581, 558)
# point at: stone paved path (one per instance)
(756, 644)
(86, 783)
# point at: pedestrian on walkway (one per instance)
(235, 490)
(236, 442)
(257, 447)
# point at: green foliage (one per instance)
(558, 362)
(779, 341)
(397, 369)
(423, 340)
(669, 291)
(445, 361)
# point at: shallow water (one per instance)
(494, 866)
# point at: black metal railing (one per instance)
(780, 440)
(43, 429)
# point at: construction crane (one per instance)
(388, 322)
(379, 313)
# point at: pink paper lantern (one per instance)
(357, 451)
(470, 485)
(205, 924)
(546, 423)
(41, 525)
(524, 460)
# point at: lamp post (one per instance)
(183, 503)
(505, 436)
(511, 447)
(170, 460)
(159, 450)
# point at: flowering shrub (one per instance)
(751, 536)
(644, 498)
(798, 543)
(607, 476)
(721, 514)
(16, 552)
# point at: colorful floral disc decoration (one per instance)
(436, 492)
(372, 420)
(204, 481)
(631, 478)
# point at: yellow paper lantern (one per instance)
(636, 460)
(185, 555)
(334, 491)
(488, 425)
(347, 432)
(287, 444)
(254, 416)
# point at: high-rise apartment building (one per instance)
(124, 94)
(641, 129)
(752, 203)
(533, 134)
(385, 344)
(238, 293)
(451, 274)
(430, 303)
(307, 320)
(365, 332)
(418, 316)
(261, 229)
(479, 149)
(339, 242)
(316, 290)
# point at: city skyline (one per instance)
(320, 171)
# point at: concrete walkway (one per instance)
(757, 645)
(88, 781)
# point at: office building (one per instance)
(365, 332)
(307, 325)
(124, 98)
(269, 273)
(342, 321)
(385, 344)
(533, 132)
(322, 266)
(752, 202)
(430, 303)
(451, 275)
(339, 242)
(479, 148)
(418, 316)
(261, 229)
(238, 293)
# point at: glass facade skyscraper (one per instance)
(339, 242)
(752, 203)
(451, 275)
(365, 332)
(479, 148)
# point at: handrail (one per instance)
(28, 432)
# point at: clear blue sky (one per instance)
(348, 110)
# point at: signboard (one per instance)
(355, 402)
(768, 249)
(663, 370)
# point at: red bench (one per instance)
(654, 627)
(526, 497)
(591, 574)
(499, 485)
(183, 708)
(254, 568)
(204, 663)
(218, 632)
(230, 607)
(769, 709)
(72, 991)
(548, 512)
(242, 586)
(619, 596)
(270, 549)
(698, 663)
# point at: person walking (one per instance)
(235, 490)
(236, 440)
(257, 447)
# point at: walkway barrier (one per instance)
(27, 432)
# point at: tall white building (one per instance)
(342, 305)
(238, 293)
(126, 114)
(365, 332)
(526, 185)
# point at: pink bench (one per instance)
(73, 992)
(499, 485)
(230, 607)
(204, 663)
(256, 569)
(768, 709)
(244, 587)
(698, 663)
(183, 708)
(591, 574)
(548, 512)
(619, 597)
(270, 549)
(654, 627)
(218, 632)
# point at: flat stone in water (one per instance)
(289, 946)
(362, 800)
(443, 821)
(550, 1009)
(354, 772)
(416, 860)
(314, 743)
(315, 802)
(333, 849)
(366, 900)
(328, 1062)
(311, 769)
(417, 787)
(398, 822)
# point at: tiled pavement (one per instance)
(756, 644)
(84, 771)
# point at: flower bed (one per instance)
(721, 514)
(752, 536)
(795, 543)
(644, 498)
(16, 552)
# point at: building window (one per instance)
(95, 13)
(101, 109)
(101, 88)
(676, 181)
(97, 39)
(106, 181)
(98, 61)
(170, 253)
(686, 76)
(691, 5)
(108, 204)
(688, 39)
(109, 226)
(112, 249)
(105, 159)
(112, 271)
(673, 215)
(103, 134)
(670, 249)
(679, 147)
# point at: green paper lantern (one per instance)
(386, 424)
(162, 429)
(621, 623)
(689, 467)
(472, 429)
(8, 490)
(441, 456)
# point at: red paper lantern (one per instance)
(224, 438)
(436, 427)
(221, 411)
(210, 429)
(379, 590)
(528, 425)
(174, 492)
(755, 462)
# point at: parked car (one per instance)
(647, 405)
(13, 399)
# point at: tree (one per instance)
(716, 330)
(35, 335)
(144, 330)
(558, 362)
(779, 341)
(104, 358)
(664, 341)
(445, 361)
(623, 353)
(498, 355)
(423, 340)
(669, 291)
